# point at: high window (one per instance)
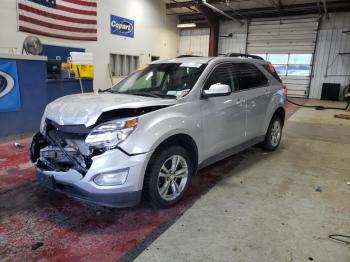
(123, 65)
(290, 64)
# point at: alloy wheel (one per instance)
(172, 177)
(275, 135)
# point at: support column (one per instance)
(214, 25)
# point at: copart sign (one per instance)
(122, 26)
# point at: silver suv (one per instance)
(151, 132)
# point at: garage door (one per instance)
(289, 44)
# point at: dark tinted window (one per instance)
(250, 77)
(222, 74)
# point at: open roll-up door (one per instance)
(289, 43)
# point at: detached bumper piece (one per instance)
(119, 200)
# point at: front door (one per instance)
(223, 117)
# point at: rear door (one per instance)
(223, 117)
(253, 84)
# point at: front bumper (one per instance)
(125, 199)
(81, 186)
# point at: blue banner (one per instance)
(122, 26)
(9, 87)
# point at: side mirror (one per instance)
(217, 90)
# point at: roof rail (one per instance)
(243, 55)
(181, 56)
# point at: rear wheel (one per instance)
(168, 176)
(273, 135)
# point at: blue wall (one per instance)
(36, 93)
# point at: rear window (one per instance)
(272, 71)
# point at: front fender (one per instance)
(155, 127)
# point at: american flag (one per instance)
(67, 19)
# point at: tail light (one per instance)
(272, 68)
(285, 91)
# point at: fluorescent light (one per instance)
(188, 25)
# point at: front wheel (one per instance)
(168, 176)
(273, 135)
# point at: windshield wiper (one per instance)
(109, 90)
(144, 94)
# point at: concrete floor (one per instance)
(267, 207)
(251, 207)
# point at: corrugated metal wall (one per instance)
(194, 41)
(236, 43)
(330, 67)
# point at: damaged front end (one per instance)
(85, 160)
(61, 149)
(64, 147)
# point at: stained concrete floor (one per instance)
(260, 207)
(278, 206)
(37, 225)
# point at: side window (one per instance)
(222, 74)
(250, 77)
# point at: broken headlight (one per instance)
(109, 135)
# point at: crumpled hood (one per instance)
(84, 109)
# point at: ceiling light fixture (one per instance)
(187, 25)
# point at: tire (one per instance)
(162, 186)
(274, 134)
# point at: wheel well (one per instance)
(183, 140)
(281, 113)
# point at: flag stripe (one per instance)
(55, 31)
(38, 32)
(54, 21)
(80, 2)
(56, 16)
(75, 6)
(56, 26)
(75, 11)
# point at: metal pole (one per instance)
(80, 82)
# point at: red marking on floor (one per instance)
(291, 109)
(15, 167)
(38, 225)
(11, 156)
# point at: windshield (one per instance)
(170, 80)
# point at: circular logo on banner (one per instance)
(6, 84)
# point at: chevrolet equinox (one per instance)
(151, 132)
